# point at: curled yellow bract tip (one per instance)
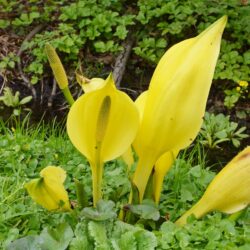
(89, 85)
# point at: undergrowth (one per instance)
(25, 150)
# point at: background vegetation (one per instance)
(91, 34)
(25, 150)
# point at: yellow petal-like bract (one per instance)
(104, 109)
(48, 191)
(176, 99)
(229, 191)
(56, 66)
(102, 125)
(162, 166)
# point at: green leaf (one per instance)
(11, 64)
(246, 57)
(56, 238)
(121, 31)
(16, 112)
(128, 241)
(97, 231)
(161, 43)
(236, 142)
(147, 210)
(34, 79)
(81, 239)
(100, 46)
(221, 134)
(145, 240)
(30, 242)
(186, 195)
(25, 100)
(104, 211)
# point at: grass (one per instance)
(25, 150)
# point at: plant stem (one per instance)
(81, 194)
(68, 96)
(97, 172)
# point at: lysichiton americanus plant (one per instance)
(229, 191)
(172, 109)
(104, 123)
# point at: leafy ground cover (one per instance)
(91, 34)
(123, 213)
(25, 151)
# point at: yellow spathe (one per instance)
(48, 191)
(102, 125)
(121, 127)
(162, 166)
(164, 163)
(176, 99)
(229, 191)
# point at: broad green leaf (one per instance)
(25, 100)
(56, 238)
(104, 211)
(146, 210)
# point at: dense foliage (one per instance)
(124, 210)
(24, 152)
(96, 27)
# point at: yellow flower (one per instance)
(102, 125)
(175, 102)
(48, 191)
(229, 192)
(243, 84)
(238, 89)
